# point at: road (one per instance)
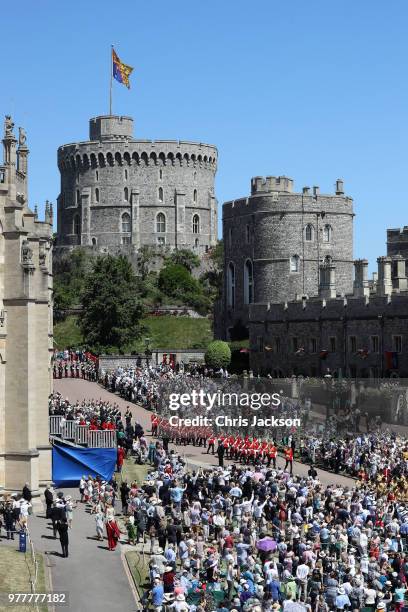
(78, 389)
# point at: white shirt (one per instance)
(302, 572)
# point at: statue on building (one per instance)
(26, 254)
(8, 127)
(22, 137)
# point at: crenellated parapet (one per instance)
(260, 184)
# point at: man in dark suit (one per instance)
(63, 534)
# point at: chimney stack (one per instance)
(361, 286)
(384, 283)
(327, 287)
(400, 281)
(339, 187)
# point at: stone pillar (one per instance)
(179, 237)
(327, 287)
(22, 164)
(85, 207)
(361, 286)
(384, 283)
(213, 218)
(400, 281)
(135, 200)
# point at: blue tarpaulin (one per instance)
(70, 463)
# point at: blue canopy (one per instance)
(70, 463)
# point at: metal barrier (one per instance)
(81, 434)
(55, 425)
(68, 430)
(102, 439)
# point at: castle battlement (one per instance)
(82, 155)
(260, 184)
(398, 233)
(338, 308)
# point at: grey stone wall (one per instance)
(268, 228)
(276, 329)
(113, 174)
(397, 242)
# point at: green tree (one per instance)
(218, 355)
(111, 312)
(184, 257)
(176, 281)
(69, 271)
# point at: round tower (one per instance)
(276, 241)
(119, 193)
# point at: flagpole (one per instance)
(111, 79)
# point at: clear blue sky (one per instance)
(312, 89)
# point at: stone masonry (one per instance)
(26, 341)
(275, 240)
(119, 194)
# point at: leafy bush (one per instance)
(218, 355)
(176, 281)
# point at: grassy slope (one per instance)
(164, 332)
(16, 568)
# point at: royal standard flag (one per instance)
(121, 72)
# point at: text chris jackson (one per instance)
(225, 421)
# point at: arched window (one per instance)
(160, 194)
(196, 224)
(231, 286)
(78, 196)
(160, 174)
(327, 233)
(160, 223)
(126, 194)
(97, 194)
(248, 282)
(195, 196)
(309, 232)
(97, 175)
(126, 174)
(93, 241)
(294, 263)
(77, 225)
(126, 223)
(196, 243)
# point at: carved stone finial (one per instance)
(8, 127)
(22, 137)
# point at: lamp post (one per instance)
(148, 352)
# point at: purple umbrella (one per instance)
(266, 544)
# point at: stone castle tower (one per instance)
(281, 245)
(119, 194)
(26, 343)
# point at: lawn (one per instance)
(16, 569)
(132, 471)
(167, 332)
